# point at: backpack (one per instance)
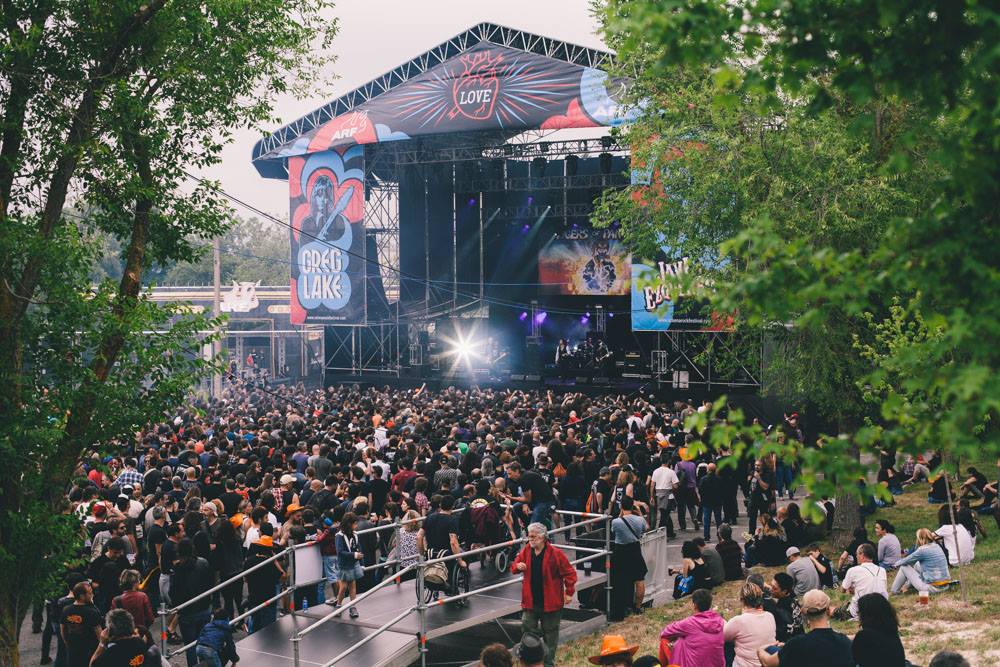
(592, 506)
(485, 521)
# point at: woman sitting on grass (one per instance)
(768, 546)
(925, 568)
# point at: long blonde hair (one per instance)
(926, 536)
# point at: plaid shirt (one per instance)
(129, 477)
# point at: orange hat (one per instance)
(613, 645)
(291, 509)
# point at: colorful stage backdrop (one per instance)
(488, 87)
(327, 200)
(590, 262)
(652, 298)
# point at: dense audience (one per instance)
(221, 487)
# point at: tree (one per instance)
(251, 250)
(104, 108)
(812, 151)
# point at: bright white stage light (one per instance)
(465, 348)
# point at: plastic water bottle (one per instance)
(305, 604)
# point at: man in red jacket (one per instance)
(549, 582)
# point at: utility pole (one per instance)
(216, 298)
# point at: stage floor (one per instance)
(396, 647)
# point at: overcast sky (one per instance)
(374, 37)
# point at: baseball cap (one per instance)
(605, 471)
(287, 479)
(815, 601)
(791, 551)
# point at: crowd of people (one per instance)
(221, 487)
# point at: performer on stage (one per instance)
(562, 351)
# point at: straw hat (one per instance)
(613, 645)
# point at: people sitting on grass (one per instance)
(925, 568)
(820, 647)
(802, 571)
(961, 546)
(877, 643)
(751, 629)
(784, 606)
(730, 552)
(695, 641)
(846, 560)
(716, 568)
(865, 578)
(768, 545)
(822, 564)
(794, 525)
(615, 652)
(948, 659)
(889, 550)
(974, 486)
(939, 490)
(916, 470)
(693, 574)
(496, 655)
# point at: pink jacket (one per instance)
(697, 640)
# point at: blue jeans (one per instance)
(208, 655)
(783, 476)
(541, 513)
(191, 626)
(706, 519)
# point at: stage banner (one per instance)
(488, 87)
(652, 299)
(327, 203)
(585, 262)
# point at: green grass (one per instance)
(971, 628)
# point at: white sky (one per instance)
(374, 37)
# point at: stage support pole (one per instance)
(421, 610)
(216, 299)
(481, 267)
(427, 247)
(454, 237)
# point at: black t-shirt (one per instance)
(537, 580)
(541, 492)
(874, 648)
(155, 535)
(131, 651)
(438, 529)
(231, 502)
(168, 554)
(79, 622)
(822, 647)
(379, 490)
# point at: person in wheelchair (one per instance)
(438, 537)
(489, 522)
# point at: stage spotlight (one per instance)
(584, 319)
(531, 200)
(472, 201)
(523, 316)
(525, 229)
(587, 313)
(540, 317)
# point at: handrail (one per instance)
(422, 564)
(337, 612)
(382, 628)
(227, 582)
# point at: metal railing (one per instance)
(422, 564)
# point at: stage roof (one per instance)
(489, 77)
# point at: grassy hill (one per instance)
(971, 628)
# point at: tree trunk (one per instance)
(847, 516)
(10, 627)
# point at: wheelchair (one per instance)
(459, 581)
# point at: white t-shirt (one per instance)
(963, 543)
(865, 578)
(538, 449)
(665, 479)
